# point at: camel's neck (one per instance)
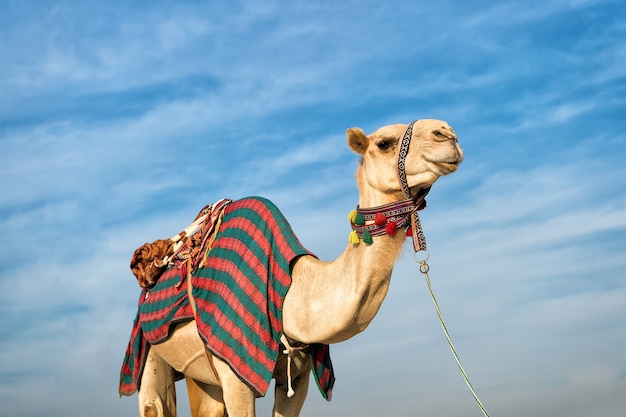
(330, 302)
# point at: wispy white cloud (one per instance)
(512, 13)
(119, 124)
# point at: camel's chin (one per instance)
(419, 192)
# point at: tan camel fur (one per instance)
(342, 296)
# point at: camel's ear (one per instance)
(357, 139)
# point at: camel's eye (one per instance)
(383, 145)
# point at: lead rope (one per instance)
(424, 268)
(419, 245)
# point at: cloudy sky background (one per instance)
(120, 120)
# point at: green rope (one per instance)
(424, 270)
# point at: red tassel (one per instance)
(380, 219)
(391, 228)
(409, 231)
(422, 205)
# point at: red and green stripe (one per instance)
(239, 296)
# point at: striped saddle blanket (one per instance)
(239, 293)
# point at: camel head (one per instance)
(434, 151)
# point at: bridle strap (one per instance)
(396, 213)
(419, 240)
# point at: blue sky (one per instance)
(120, 120)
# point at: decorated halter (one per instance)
(388, 218)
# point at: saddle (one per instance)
(150, 260)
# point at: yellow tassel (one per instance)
(353, 238)
(352, 216)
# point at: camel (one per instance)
(343, 295)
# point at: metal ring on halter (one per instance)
(426, 253)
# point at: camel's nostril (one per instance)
(442, 136)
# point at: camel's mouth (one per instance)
(449, 167)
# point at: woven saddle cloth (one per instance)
(239, 285)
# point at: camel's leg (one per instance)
(157, 392)
(300, 369)
(205, 400)
(238, 397)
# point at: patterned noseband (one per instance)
(419, 240)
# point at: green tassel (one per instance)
(359, 220)
(367, 238)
